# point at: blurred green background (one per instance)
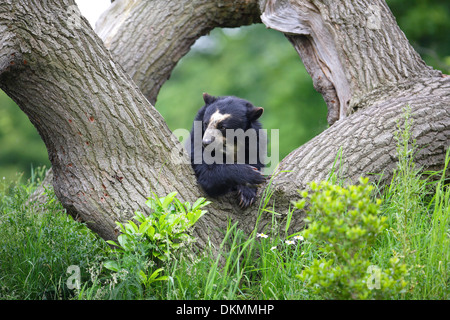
(252, 62)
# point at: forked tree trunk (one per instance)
(110, 148)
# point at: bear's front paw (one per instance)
(254, 176)
(246, 195)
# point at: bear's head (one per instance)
(227, 114)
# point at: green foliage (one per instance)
(342, 217)
(165, 230)
(154, 240)
(37, 247)
(39, 243)
(418, 207)
(407, 184)
(405, 253)
(21, 147)
(346, 222)
(278, 262)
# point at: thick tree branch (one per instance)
(357, 56)
(110, 148)
(103, 137)
(349, 50)
(364, 143)
(148, 38)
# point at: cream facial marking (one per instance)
(212, 133)
(217, 117)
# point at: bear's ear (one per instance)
(254, 113)
(208, 99)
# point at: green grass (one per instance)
(418, 208)
(37, 245)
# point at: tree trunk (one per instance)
(110, 148)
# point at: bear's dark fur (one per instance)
(231, 172)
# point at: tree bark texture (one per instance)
(102, 135)
(148, 38)
(110, 148)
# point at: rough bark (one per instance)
(109, 147)
(360, 60)
(148, 38)
(349, 49)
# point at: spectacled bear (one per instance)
(225, 148)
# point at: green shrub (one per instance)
(144, 247)
(345, 223)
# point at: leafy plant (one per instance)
(346, 222)
(166, 229)
(155, 238)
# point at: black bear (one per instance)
(225, 148)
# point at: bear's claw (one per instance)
(247, 196)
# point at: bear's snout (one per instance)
(208, 140)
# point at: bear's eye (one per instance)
(222, 126)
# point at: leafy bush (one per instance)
(345, 222)
(143, 248)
